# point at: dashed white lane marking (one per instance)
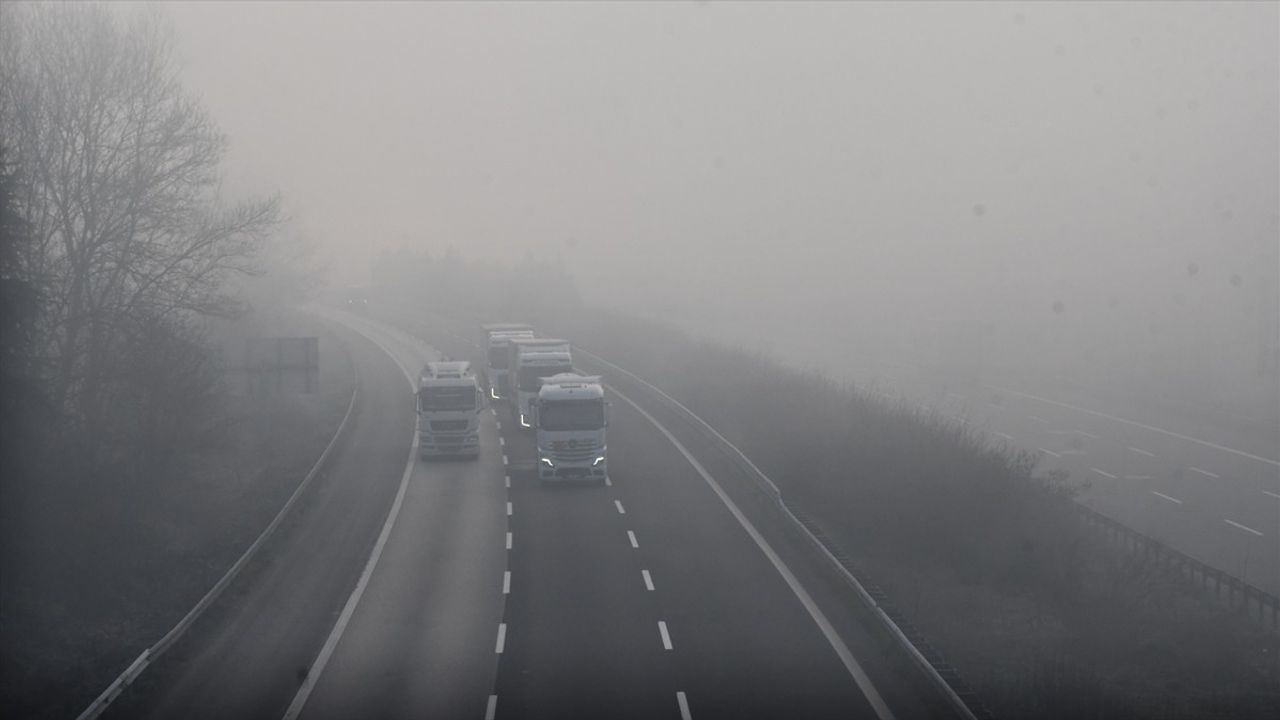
(1152, 428)
(1070, 452)
(618, 504)
(1274, 495)
(666, 637)
(491, 709)
(506, 583)
(819, 618)
(648, 580)
(1205, 473)
(607, 481)
(683, 702)
(1246, 528)
(1104, 473)
(632, 537)
(502, 442)
(1140, 451)
(502, 638)
(1050, 453)
(506, 480)
(1091, 436)
(504, 460)
(1006, 436)
(1137, 477)
(508, 508)
(508, 541)
(1159, 494)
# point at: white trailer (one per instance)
(499, 336)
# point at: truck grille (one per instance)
(449, 425)
(575, 455)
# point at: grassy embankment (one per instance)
(99, 564)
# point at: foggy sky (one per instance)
(823, 165)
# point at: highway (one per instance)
(1194, 487)
(465, 589)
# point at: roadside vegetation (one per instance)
(985, 553)
(133, 469)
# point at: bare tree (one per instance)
(120, 170)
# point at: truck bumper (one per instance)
(572, 473)
(436, 446)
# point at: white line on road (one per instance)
(851, 664)
(1246, 528)
(506, 480)
(504, 460)
(632, 537)
(1205, 473)
(506, 582)
(607, 481)
(502, 638)
(508, 508)
(648, 581)
(1104, 473)
(1137, 477)
(683, 702)
(1002, 435)
(331, 643)
(1091, 436)
(1274, 495)
(1140, 451)
(499, 425)
(1159, 494)
(502, 442)
(618, 503)
(1070, 452)
(666, 637)
(508, 540)
(1170, 433)
(1050, 453)
(491, 709)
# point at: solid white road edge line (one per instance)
(1245, 528)
(819, 618)
(317, 667)
(1170, 433)
(683, 702)
(666, 637)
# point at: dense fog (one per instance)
(1077, 190)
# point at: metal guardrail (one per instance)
(149, 655)
(1241, 595)
(942, 676)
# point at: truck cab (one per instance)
(571, 414)
(532, 359)
(499, 336)
(449, 402)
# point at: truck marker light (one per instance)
(598, 461)
(548, 462)
(524, 422)
(493, 393)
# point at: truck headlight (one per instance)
(598, 461)
(548, 462)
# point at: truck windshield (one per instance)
(571, 415)
(461, 397)
(498, 357)
(529, 375)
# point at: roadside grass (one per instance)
(101, 562)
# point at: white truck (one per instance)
(449, 405)
(499, 337)
(531, 359)
(571, 414)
